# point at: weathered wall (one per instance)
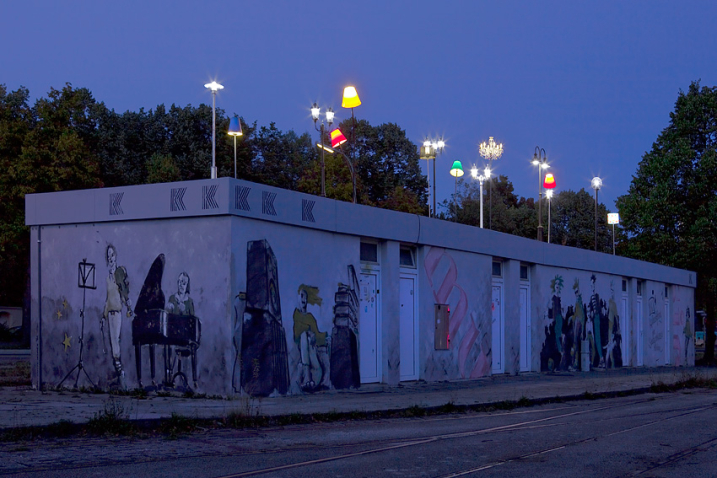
(198, 247)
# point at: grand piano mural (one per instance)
(173, 327)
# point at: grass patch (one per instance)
(112, 420)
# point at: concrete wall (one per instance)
(280, 294)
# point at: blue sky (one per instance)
(593, 83)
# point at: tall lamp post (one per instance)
(337, 139)
(429, 151)
(480, 178)
(540, 159)
(549, 184)
(613, 218)
(315, 113)
(214, 87)
(596, 184)
(490, 151)
(235, 130)
(456, 172)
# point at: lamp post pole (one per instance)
(430, 151)
(540, 159)
(235, 130)
(549, 194)
(490, 151)
(315, 113)
(481, 178)
(596, 184)
(214, 87)
(456, 172)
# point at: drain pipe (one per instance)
(39, 308)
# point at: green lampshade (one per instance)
(457, 169)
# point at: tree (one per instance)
(670, 211)
(46, 148)
(573, 221)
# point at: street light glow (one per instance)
(596, 183)
(214, 86)
(315, 111)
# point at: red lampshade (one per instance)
(337, 138)
(549, 182)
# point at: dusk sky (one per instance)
(593, 83)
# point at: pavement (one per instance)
(24, 407)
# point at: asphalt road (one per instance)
(655, 435)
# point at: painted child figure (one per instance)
(117, 298)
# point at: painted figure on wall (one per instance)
(551, 353)
(264, 359)
(597, 325)
(180, 314)
(311, 342)
(117, 300)
(180, 302)
(344, 335)
(613, 349)
(579, 320)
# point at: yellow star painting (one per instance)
(67, 342)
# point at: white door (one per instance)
(667, 332)
(640, 342)
(624, 320)
(369, 327)
(525, 338)
(407, 329)
(497, 328)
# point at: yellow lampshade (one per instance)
(351, 98)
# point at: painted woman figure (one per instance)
(308, 338)
(180, 303)
(117, 298)
(578, 323)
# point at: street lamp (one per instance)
(235, 130)
(490, 151)
(613, 218)
(214, 86)
(540, 159)
(456, 172)
(480, 178)
(596, 184)
(549, 184)
(351, 100)
(429, 151)
(337, 139)
(315, 113)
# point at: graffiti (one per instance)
(67, 342)
(311, 342)
(344, 341)
(117, 299)
(174, 327)
(596, 322)
(264, 361)
(474, 356)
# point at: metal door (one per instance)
(407, 329)
(497, 327)
(525, 336)
(369, 327)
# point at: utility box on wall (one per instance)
(442, 339)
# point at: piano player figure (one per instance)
(181, 304)
(117, 299)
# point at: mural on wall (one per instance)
(344, 335)
(682, 337)
(172, 326)
(654, 354)
(117, 300)
(596, 322)
(264, 361)
(474, 353)
(311, 342)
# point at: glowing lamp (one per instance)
(351, 98)
(549, 182)
(596, 183)
(337, 138)
(235, 127)
(457, 169)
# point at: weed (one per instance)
(112, 420)
(415, 411)
(177, 425)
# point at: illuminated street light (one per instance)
(540, 159)
(480, 178)
(235, 130)
(549, 184)
(348, 161)
(596, 184)
(214, 87)
(456, 172)
(315, 114)
(490, 151)
(613, 218)
(429, 151)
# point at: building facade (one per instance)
(229, 287)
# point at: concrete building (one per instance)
(227, 287)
